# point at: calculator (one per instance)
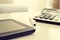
(51, 16)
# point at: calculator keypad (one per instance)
(48, 16)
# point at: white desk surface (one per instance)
(43, 32)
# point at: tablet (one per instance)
(10, 28)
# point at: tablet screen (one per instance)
(11, 25)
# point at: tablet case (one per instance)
(10, 29)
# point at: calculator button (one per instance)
(52, 17)
(47, 16)
(43, 15)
